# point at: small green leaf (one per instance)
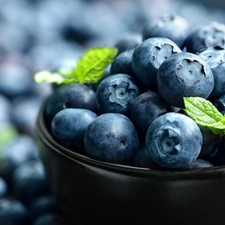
(204, 113)
(89, 68)
(46, 76)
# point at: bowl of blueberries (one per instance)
(136, 137)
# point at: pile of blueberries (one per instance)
(48, 34)
(134, 114)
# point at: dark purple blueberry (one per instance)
(211, 34)
(215, 57)
(69, 125)
(116, 93)
(148, 56)
(145, 108)
(30, 182)
(174, 140)
(122, 63)
(13, 212)
(184, 75)
(70, 96)
(112, 138)
(168, 25)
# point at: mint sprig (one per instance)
(89, 68)
(204, 113)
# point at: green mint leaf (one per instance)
(89, 68)
(92, 64)
(204, 113)
(46, 76)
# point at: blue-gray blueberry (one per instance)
(174, 140)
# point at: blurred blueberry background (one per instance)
(37, 35)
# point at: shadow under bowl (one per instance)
(89, 192)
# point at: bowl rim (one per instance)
(43, 133)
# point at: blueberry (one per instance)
(143, 159)
(13, 212)
(122, 63)
(168, 25)
(145, 108)
(128, 41)
(184, 75)
(208, 35)
(69, 96)
(4, 189)
(46, 219)
(5, 105)
(30, 181)
(201, 163)
(215, 57)
(174, 140)
(16, 80)
(42, 205)
(111, 137)
(219, 103)
(116, 93)
(69, 125)
(210, 143)
(148, 56)
(16, 152)
(24, 113)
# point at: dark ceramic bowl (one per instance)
(93, 192)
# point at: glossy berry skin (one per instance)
(168, 25)
(184, 75)
(145, 108)
(208, 35)
(122, 63)
(69, 125)
(116, 93)
(13, 212)
(69, 96)
(215, 57)
(174, 140)
(148, 56)
(112, 138)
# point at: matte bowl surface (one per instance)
(90, 192)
